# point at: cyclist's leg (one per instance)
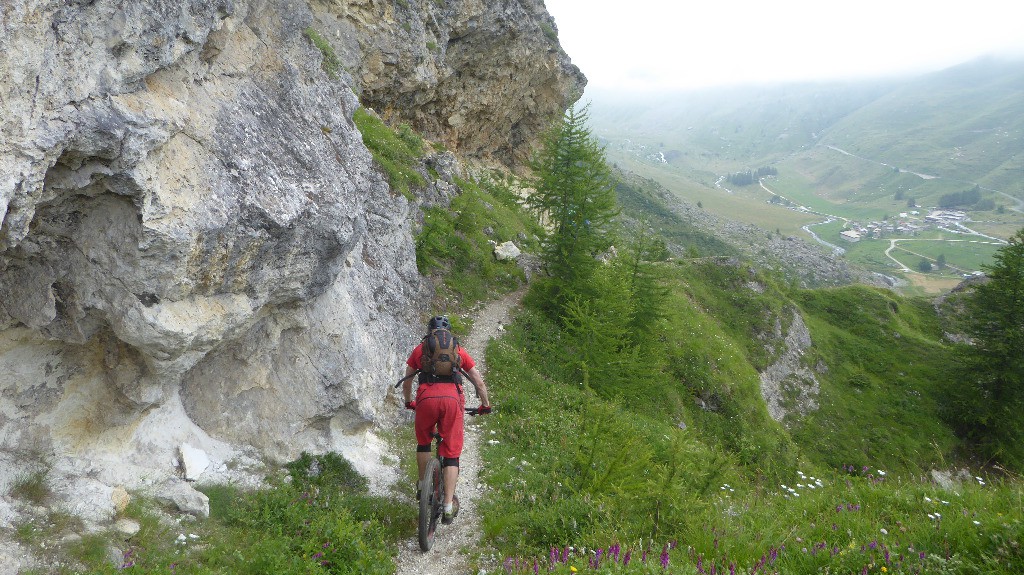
(451, 477)
(451, 425)
(427, 415)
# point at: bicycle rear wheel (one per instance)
(431, 499)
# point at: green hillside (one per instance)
(861, 154)
(964, 124)
(682, 469)
(696, 459)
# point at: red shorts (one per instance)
(439, 408)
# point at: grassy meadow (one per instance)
(654, 484)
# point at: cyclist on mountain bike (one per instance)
(439, 405)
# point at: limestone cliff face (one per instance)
(485, 78)
(195, 244)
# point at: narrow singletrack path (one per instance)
(450, 553)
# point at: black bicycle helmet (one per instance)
(439, 322)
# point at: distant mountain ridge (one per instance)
(964, 123)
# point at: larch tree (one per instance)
(575, 196)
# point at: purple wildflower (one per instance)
(627, 557)
(664, 557)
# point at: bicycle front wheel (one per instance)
(431, 499)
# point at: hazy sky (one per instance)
(657, 44)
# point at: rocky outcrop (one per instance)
(195, 246)
(788, 386)
(199, 262)
(485, 78)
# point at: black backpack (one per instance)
(441, 360)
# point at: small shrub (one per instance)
(397, 152)
(549, 31)
(32, 488)
(91, 549)
(222, 498)
(329, 470)
(331, 64)
(26, 532)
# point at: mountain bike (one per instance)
(432, 493)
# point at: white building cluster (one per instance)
(908, 223)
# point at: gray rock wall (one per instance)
(195, 245)
(484, 77)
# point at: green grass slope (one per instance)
(685, 470)
(681, 469)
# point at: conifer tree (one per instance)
(989, 394)
(642, 280)
(575, 194)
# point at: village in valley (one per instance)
(907, 223)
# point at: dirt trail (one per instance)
(456, 542)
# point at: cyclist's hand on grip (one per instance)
(483, 409)
(411, 405)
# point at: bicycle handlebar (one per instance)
(476, 410)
